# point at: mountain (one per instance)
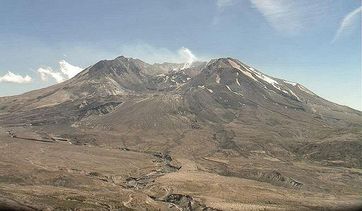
(180, 126)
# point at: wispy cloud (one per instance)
(141, 51)
(221, 4)
(66, 71)
(348, 21)
(151, 54)
(14, 78)
(187, 56)
(47, 72)
(290, 16)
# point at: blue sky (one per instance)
(315, 43)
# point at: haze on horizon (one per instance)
(315, 43)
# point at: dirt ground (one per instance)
(39, 173)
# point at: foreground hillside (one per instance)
(221, 135)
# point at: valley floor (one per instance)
(38, 173)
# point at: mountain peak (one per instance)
(227, 62)
(219, 61)
(223, 116)
(128, 59)
(122, 58)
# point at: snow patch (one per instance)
(292, 93)
(247, 73)
(290, 82)
(263, 77)
(234, 64)
(304, 89)
(251, 72)
(233, 91)
(268, 80)
(217, 79)
(228, 88)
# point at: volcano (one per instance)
(217, 135)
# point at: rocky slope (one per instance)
(221, 120)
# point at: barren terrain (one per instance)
(216, 136)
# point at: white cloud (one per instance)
(69, 70)
(47, 72)
(221, 4)
(152, 54)
(347, 22)
(290, 16)
(148, 53)
(66, 71)
(141, 51)
(14, 78)
(187, 56)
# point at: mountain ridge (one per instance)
(154, 136)
(225, 79)
(142, 65)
